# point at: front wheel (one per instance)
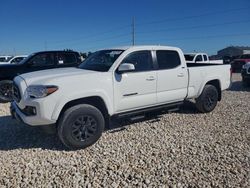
(80, 126)
(208, 99)
(6, 89)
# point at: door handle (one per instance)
(150, 78)
(180, 75)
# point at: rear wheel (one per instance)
(80, 126)
(6, 89)
(208, 99)
(245, 82)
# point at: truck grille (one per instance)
(16, 93)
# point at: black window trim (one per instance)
(158, 68)
(154, 66)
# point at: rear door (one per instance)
(137, 89)
(172, 77)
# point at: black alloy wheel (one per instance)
(6, 91)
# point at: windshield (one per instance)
(26, 58)
(101, 60)
(189, 57)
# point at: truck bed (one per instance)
(202, 64)
(200, 74)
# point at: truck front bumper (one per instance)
(37, 119)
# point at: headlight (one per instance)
(39, 91)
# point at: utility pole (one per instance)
(14, 49)
(45, 45)
(133, 31)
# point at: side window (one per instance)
(198, 58)
(45, 59)
(142, 60)
(205, 57)
(17, 59)
(66, 58)
(168, 59)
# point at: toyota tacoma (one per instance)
(114, 83)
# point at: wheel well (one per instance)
(95, 101)
(216, 84)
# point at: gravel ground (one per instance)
(181, 149)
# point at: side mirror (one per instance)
(126, 67)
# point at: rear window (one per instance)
(189, 57)
(66, 58)
(168, 59)
(205, 57)
(198, 58)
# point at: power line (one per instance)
(194, 16)
(147, 23)
(98, 41)
(133, 31)
(120, 43)
(201, 37)
(194, 27)
(93, 35)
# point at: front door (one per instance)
(136, 89)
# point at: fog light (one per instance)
(29, 111)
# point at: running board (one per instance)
(169, 107)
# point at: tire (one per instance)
(245, 82)
(6, 88)
(208, 99)
(80, 126)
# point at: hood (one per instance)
(45, 76)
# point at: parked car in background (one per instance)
(16, 59)
(115, 83)
(239, 62)
(34, 62)
(4, 59)
(245, 73)
(227, 59)
(200, 58)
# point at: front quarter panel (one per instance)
(99, 85)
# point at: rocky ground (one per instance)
(181, 149)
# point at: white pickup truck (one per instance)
(200, 58)
(114, 83)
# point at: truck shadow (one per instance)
(19, 136)
(238, 86)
